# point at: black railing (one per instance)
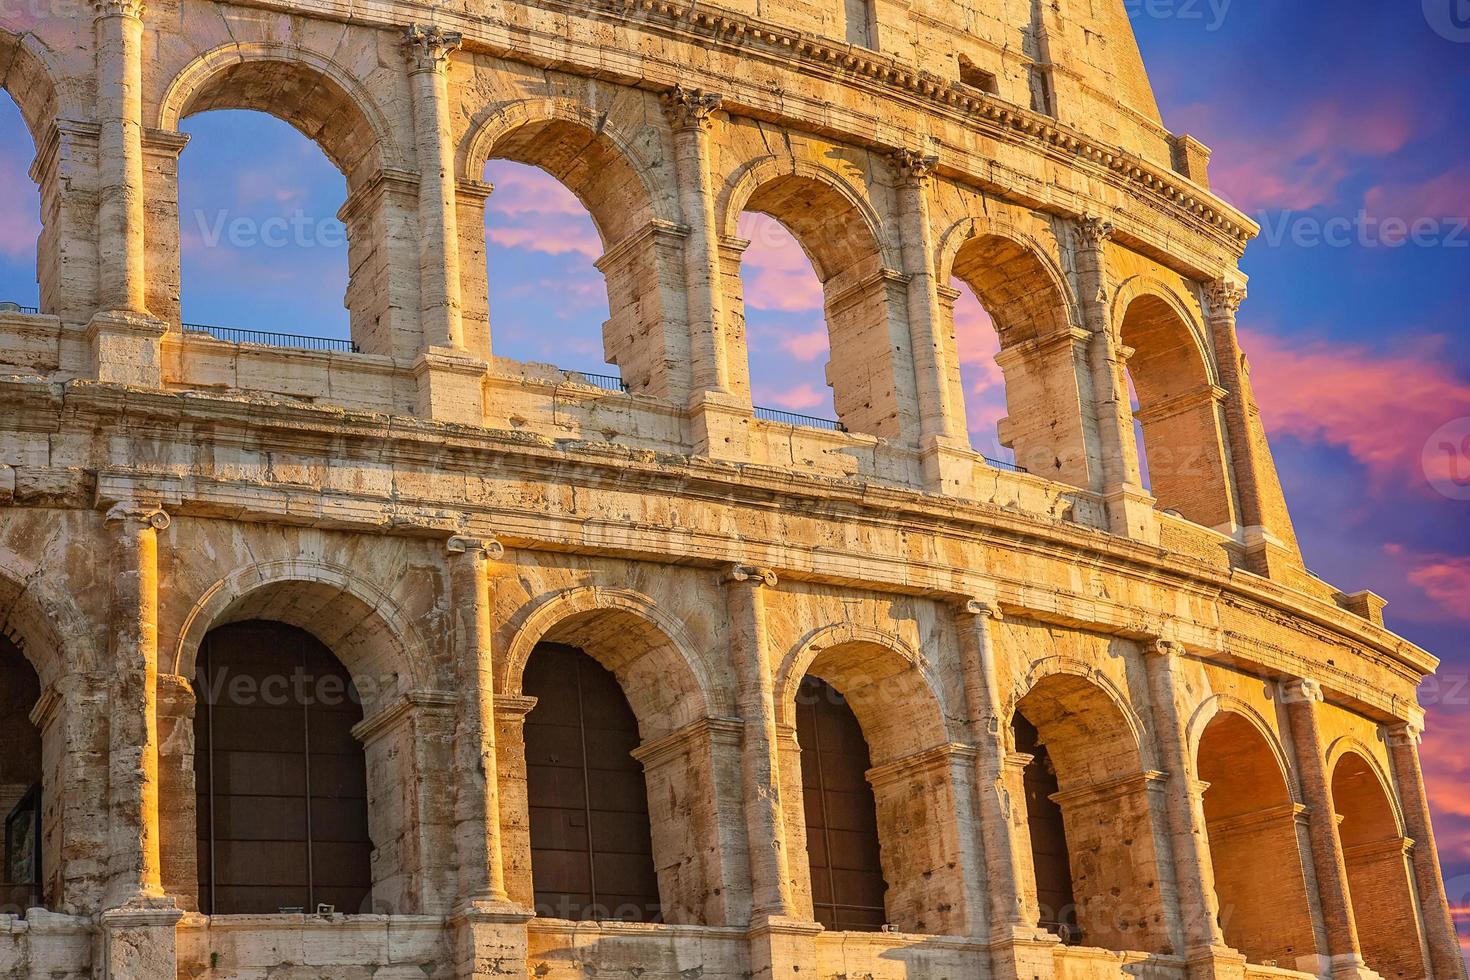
(792, 418)
(1001, 464)
(267, 338)
(17, 308)
(607, 382)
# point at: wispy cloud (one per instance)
(775, 272)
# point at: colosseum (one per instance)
(309, 653)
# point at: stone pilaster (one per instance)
(1439, 927)
(1263, 514)
(1303, 700)
(476, 780)
(760, 762)
(120, 212)
(1199, 908)
(138, 925)
(1018, 948)
(429, 48)
(1117, 476)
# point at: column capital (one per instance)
(1403, 734)
(1301, 691)
(429, 46)
(691, 108)
(983, 608)
(1093, 231)
(752, 575)
(482, 549)
(119, 8)
(132, 512)
(1160, 647)
(914, 166)
(1225, 296)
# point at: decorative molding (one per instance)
(914, 166)
(691, 108)
(1404, 734)
(1225, 297)
(132, 512)
(980, 607)
(1301, 691)
(120, 8)
(482, 549)
(429, 46)
(1093, 231)
(750, 575)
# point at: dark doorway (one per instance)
(591, 846)
(281, 780)
(20, 783)
(841, 814)
(1048, 837)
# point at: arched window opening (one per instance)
(1180, 414)
(1103, 797)
(591, 841)
(263, 254)
(1049, 855)
(20, 212)
(281, 781)
(785, 332)
(1251, 823)
(1378, 871)
(976, 346)
(841, 813)
(548, 299)
(22, 874)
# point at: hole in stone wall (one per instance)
(977, 77)
(20, 210)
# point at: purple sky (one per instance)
(1322, 117)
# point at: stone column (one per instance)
(1018, 948)
(476, 782)
(125, 340)
(1199, 907)
(1118, 476)
(1439, 927)
(1302, 700)
(450, 380)
(1269, 533)
(138, 925)
(765, 830)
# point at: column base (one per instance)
(1021, 953)
(1215, 963)
(127, 348)
(451, 386)
(1132, 514)
(139, 941)
(782, 947)
(721, 425)
(1349, 966)
(949, 465)
(489, 940)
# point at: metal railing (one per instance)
(792, 418)
(18, 308)
(1001, 464)
(607, 382)
(268, 338)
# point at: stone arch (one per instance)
(871, 371)
(45, 621)
(1179, 402)
(1018, 280)
(1089, 779)
(310, 91)
(649, 651)
(916, 798)
(351, 615)
(1256, 832)
(27, 72)
(1376, 854)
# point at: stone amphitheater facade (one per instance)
(1222, 746)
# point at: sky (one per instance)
(1340, 127)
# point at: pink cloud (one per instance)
(521, 189)
(569, 238)
(531, 211)
(799, 398)
(1444, 579)
(1445, 196)
(20, 208)
(976, 344)
(775, 271)
(1380, 407)
(812, 345)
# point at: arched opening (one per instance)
(280, 778)
(1009, 304)
(548, 299)
(607, 772)
(785, 336)
(20, 212)
(1178, 409)
(1378, 871)
(876, 800)
(869, 360)
(841, 813)
(574, 204)
(22, 875)
(1050, 860)
(1252, 825)
(263, 254)
(591, 842)
(1084, 742)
